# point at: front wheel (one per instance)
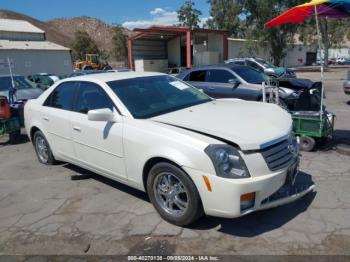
(173, 194)
(42, 149)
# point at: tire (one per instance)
(87, 68)
(15, 137)
(180, 190)
(107, 68)
(307, 143)
(42, 149)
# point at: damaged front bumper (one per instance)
(286, 194)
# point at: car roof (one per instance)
(111, 76)
(14, 75)
(220, 66)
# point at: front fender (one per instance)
(154, 141)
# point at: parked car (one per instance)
(264, 67)
(151, 131)
(25, 89)
(230, 81)
(118, 69)
(346, 87)
(43, 80)
(82, 73)
(343, 61)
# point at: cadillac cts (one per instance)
(190, 153)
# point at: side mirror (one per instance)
(102, 115)
(235, 82)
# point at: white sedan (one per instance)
(190, 153)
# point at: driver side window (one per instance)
(90, 97)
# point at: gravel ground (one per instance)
(42, 211)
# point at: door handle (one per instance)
(46, 118)
(76, 128)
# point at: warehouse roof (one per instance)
(12, 25)
(30, 45)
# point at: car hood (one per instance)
(25, 94)
(250, 125)
(284, 91)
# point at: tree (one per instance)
(119, 42)
(256, 13)
(333, 33)
(188, 15)
(83, 44)
(225, 15)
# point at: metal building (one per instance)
(160, 48)
(26, 47)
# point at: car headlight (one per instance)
(227, 161)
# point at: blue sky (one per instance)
(131, 13)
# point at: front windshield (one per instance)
(147, 97)
(19, 81)
(265, 63)
(250, 75)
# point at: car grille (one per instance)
(278, 156)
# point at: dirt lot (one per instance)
(42, 211)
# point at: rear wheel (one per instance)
(42, 149)
(307, 143)
(174, 194)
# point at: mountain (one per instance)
(61, 30)
(99, 31)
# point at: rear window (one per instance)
(220, 76)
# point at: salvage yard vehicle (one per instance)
(43, 80)
(190, 153)
(91, 62)
(232, 81)
(25, 90)
(263, 66)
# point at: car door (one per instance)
(98, 145)
(56, 119)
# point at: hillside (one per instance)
(100, 32)
(61, 30)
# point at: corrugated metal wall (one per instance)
(18, 36)
(27, 62)
(149, 49)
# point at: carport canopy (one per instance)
(169, 32)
